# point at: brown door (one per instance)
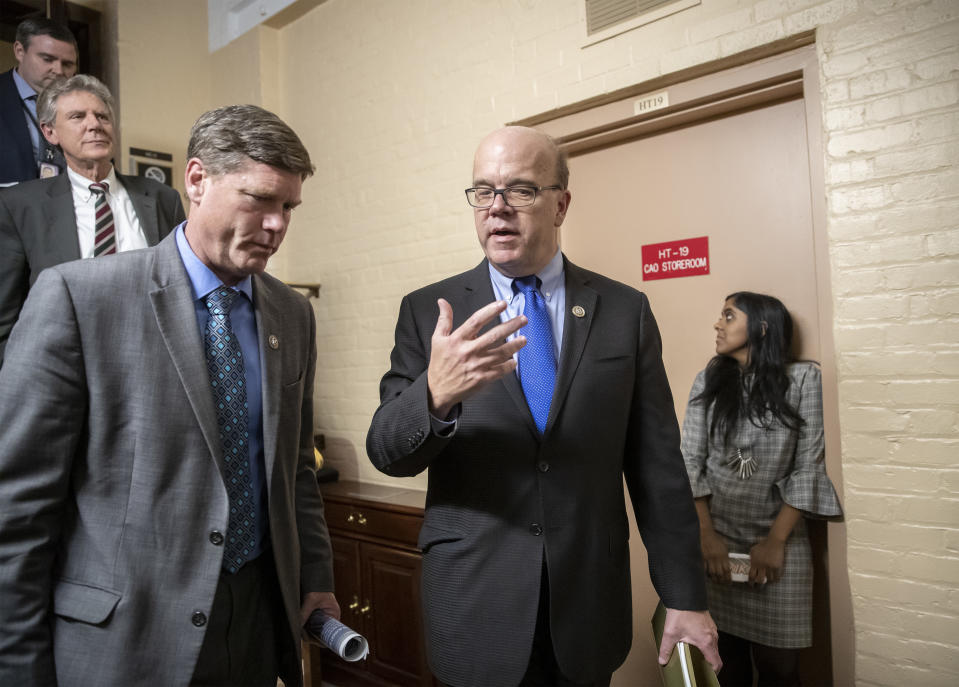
(391, 585)
(743, 181)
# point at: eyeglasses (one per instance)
(514, 196)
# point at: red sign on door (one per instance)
(684, 258)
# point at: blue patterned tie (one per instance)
(537, 359)
(227, 378)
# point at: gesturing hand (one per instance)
(463, 361)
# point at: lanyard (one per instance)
(45, 151)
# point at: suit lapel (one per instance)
(268, 323)
(173, 307)
(575, 334)
(61, 216)
(145, 206)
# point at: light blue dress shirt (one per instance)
(243, 320)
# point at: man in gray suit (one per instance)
(49, 221)
(527, 435)
(161, 522)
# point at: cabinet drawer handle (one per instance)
(355, 603)
(367, 607)
(357, 517)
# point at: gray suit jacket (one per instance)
(112, 481)
(502, 499)
(38, 228)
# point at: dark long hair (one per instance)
(760, 387)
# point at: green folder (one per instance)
(686, 666)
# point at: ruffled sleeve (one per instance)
(695, 442)
(808, 487)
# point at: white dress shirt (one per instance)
(129, 233)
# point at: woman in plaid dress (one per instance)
(753, 445)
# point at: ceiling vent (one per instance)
(604, 14)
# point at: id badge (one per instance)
(47, 170)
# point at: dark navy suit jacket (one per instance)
(16, 159)
(503, 498)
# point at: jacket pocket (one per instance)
(82, 602)
(430, 536)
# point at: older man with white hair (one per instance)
(89, 211)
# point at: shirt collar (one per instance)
(202, 279)
(81, 184)
(23, 88)
(551, 278)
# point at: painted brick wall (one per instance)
(891, 122)
(393, 96)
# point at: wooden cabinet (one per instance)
(376, 565)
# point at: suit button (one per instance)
(543, 466)
(199, 618)
(535, 529)
(216, 537)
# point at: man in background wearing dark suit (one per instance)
(527, 435)
(89, 211)
(44, 51)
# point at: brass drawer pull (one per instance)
(357, 518)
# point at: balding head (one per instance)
(521, 239)
(539, 146)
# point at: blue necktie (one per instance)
(537, 359)
(228, 381)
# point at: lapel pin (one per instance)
(274, 341)
(579, 311)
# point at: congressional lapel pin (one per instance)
(579, 311)
(274, 341)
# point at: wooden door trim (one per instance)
(693, 111)
(747, 57)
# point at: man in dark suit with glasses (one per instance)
(529, 388)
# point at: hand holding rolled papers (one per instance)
(331, 633)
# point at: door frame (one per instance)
(785, 70)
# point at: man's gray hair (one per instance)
(47, 101)
(227, 138)
(41, 26)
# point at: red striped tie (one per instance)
(105, 235)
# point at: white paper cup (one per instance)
(739, 567)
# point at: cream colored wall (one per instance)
(166, 77)
(391, 98)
